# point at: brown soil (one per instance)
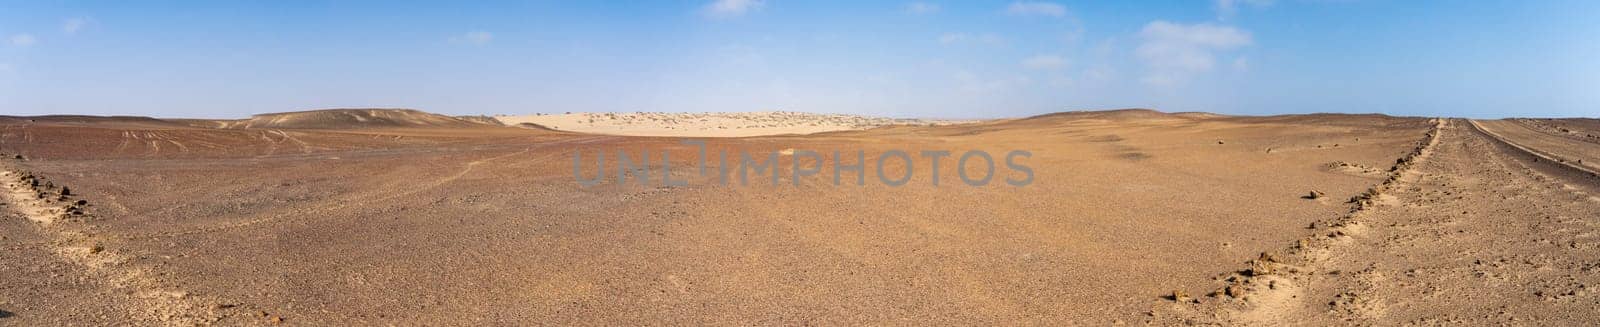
(479, 224)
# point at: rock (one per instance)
(1180, 296)
(1315, 194)
(66, 191)
(1234, 291)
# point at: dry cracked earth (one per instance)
(383, 217)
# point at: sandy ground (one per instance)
(472, 225)
(738, 124)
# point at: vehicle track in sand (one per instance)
(1474, 232)
(128, 283)
(362, 199)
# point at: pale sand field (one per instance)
(739, 124)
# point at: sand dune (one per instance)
(738, 124)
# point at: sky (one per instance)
(936, 59)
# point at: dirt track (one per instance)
(486, 225)
(1475, 233)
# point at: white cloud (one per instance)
(1045, 62)
(73, 25)
(922, 8)
(473, 38)
(22, 40)
(1227, 8)
(1174, 52)
(964, 38)
(1022, 8)
(731, 8)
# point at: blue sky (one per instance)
(958, 59)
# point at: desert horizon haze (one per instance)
(772, 162)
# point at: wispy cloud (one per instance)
(473, 38)
(1045, 62)
(1227, 8)
(731, 8)
(1022, 8)
(965, 38)
(22, 40)
(1174, 52)
(73, 25)
(922, 8)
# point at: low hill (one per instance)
(84, 120)
(351, 119)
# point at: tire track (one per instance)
(1470, 232)
(1272, 289)
(130, 282)
(359, 200)
(1532, 152)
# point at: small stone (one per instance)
(1180, 296)
(1234, 291)
(1315, 194)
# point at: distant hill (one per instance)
(123, 121)
(1129, 113)
(348, 119)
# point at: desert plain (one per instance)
(402, 217)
